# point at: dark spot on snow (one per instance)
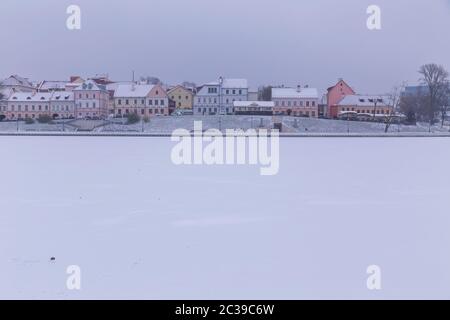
(52, 259)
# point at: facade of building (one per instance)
(364, 106)
(91, 101)
(263, 108)
(218, 97)
(300, 102)
(22, 105)
(335, 94)
(62, 105)
(182, 97)
(142, 99)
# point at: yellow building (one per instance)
(182, 98)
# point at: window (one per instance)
(127, 102)
(162, 102)
(156, 102)
(150, 102)
(119, 102)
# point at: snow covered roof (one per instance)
(29, 96)
(364, 100)
(235, 84)
(63, 96)
(230, 84)
(90, 85)
(266, 104)
(16, 80)
(291, 93)
(133, 91)
(52, 85)
(6, 93)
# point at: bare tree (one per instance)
(151, 80)
(394, 100)
(435, 78)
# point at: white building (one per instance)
(62, 105)
(218, 97)
(254, 107)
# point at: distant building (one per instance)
(218, 97)
(263, 108)
(22, 105)
(335, 94)
(62, 105)
(74, 82)
(91, 101)
(142, 99)
(182, 97)
(253, 95)
(300, 102)
(51, 86)
(17, 84)
(364, 106)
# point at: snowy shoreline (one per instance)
(281, 135)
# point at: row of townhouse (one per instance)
(100, 97)
(88, 100)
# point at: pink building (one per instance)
(300, 102)
(22, 105)
(91, 101)
(336, 94)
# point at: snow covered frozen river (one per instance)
(140, 227)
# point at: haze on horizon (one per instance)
(266, 41)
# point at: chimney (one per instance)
(133, 87)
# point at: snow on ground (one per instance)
(342, 126)
(13, 126)
(169, 124)
(140, 227)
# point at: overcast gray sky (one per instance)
(267, 41)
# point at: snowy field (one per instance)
(140, 227)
